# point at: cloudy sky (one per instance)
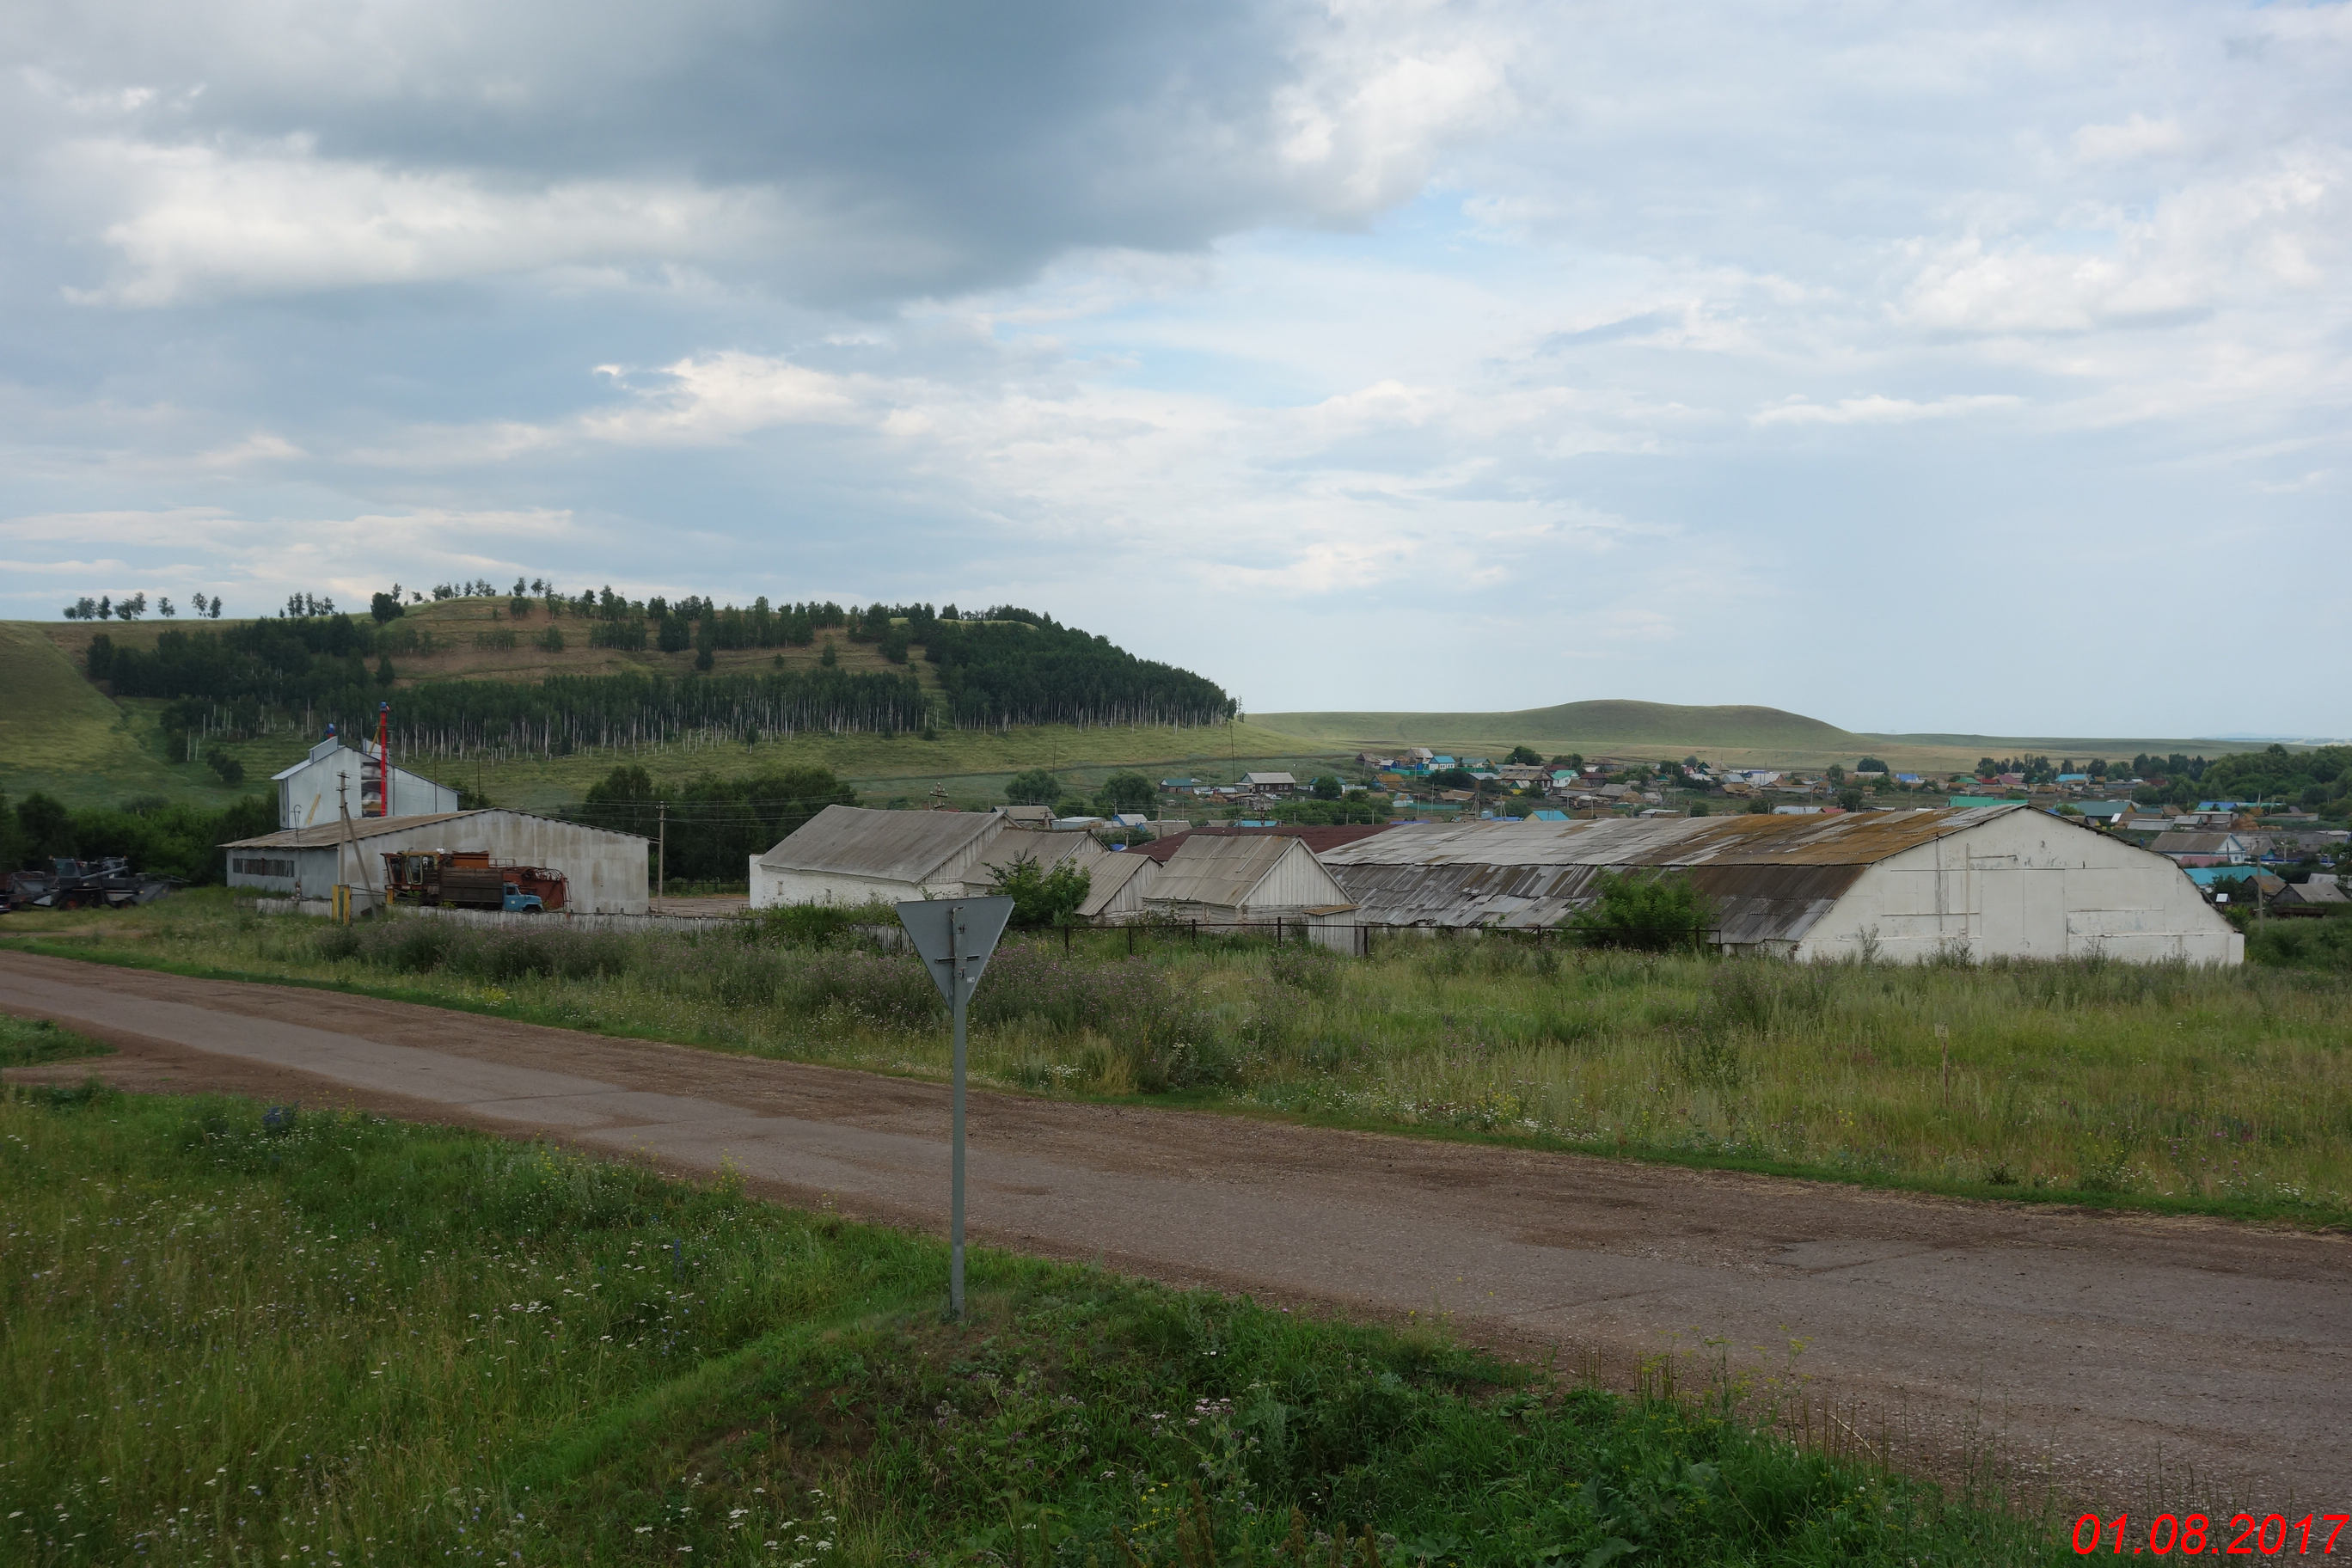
(1918, 366)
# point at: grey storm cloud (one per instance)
(863, 152)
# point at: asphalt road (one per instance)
(2150, 1363)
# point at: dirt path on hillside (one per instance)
(2125, 1353)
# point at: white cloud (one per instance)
(1879, 410)
(2138, 137)
(2203, 246)
(197, 220)
(713, 397)
(261, 446)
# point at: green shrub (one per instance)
(1042, 898)
(1646, 913)
(2322, 944)
(821, 925)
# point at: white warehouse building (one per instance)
(2002, 881)
(330, 782)
(605, 872)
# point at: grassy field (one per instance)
(232, 1336)
(2219, 1091)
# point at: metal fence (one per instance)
(1354, 938)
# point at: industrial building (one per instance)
(2003, 881)
(605, 871)
(334, 781)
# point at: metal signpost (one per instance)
(955, 938)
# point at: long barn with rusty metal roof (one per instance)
(1983, 882)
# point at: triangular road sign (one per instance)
(979, 923)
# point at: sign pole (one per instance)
(955, 941)
(955, 1136)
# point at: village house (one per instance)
(1246, 879)
(848, 855)
(2202, 849)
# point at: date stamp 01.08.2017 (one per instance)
(2195, 1534)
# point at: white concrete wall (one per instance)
(2025, 885)
(772, 886)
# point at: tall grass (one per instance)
(233, 1337)
(2228, 1091)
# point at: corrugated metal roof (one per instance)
(898, 846)
(324, 833)
(1109, 876)
(1319, 840)
(1221, 869)
(321, 834)
(1771, 878)
(1854, 838)
(2194, 842)
(1043, 846)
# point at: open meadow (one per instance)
(234, 1334)
(2223, 1091)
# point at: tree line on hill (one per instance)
(1008, 667)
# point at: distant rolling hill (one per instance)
(1737, 735)
(1587, 727)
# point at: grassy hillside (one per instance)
(58, 731)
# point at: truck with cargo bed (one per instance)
(468, 880)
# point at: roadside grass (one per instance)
(29, 1042)
(233, 1335)
(2200, 1090)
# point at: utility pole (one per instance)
(352, 843)
(661, 851)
